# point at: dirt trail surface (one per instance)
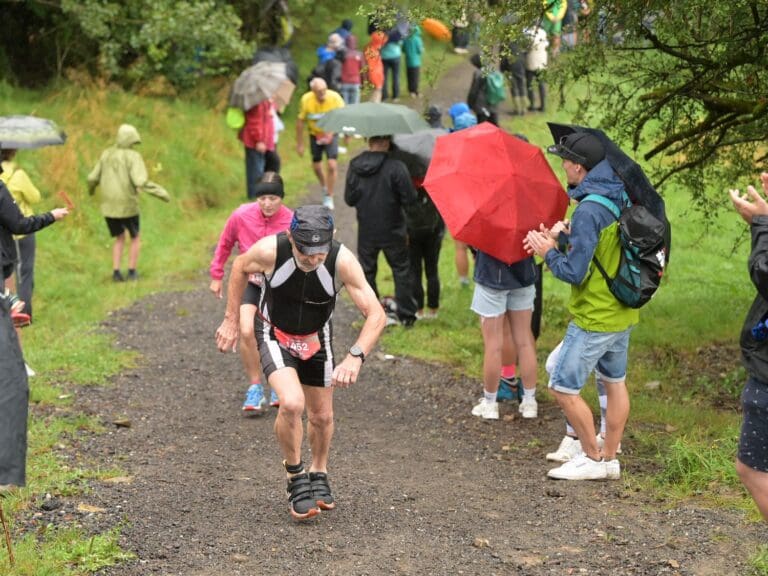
(422, 486)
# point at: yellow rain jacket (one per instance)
(121, 175)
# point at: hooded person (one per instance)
(121, 174)
(477, 99)
(434, 117)
(413, 46)
(374, 65)
(379, 187)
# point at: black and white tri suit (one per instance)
(298, 303)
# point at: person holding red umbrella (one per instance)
(597, 336)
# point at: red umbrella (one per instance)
(493, 188)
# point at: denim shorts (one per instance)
(584, 351)
(489, 302)
(753, 441)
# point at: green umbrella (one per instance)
(29, 132)
(373, 119)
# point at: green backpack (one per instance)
(495, 88)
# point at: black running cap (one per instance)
(580, 147)
(312, 229)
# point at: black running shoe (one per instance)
(300, 497)
(321, 490)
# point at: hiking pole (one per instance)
(7, 537)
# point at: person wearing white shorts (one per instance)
(505, 293)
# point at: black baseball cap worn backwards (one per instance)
(312, 229)
(580, 147)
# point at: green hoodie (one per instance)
(413, 46)
(121, 174)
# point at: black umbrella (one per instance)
(636, 183)
(415, 150)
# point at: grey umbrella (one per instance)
(373, 119)
(415, 150)
(21, 131)
(259, 82)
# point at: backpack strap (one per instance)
(610, 205)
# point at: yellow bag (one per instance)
(235, 118)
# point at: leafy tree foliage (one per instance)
(684, 84)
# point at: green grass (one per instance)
(759, 562)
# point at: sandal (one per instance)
(322, 490)
(300, 497)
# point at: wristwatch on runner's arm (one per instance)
(357, 352)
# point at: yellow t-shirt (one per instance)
(311, 110)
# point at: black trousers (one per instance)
(399, 261)
(424, 247)
(412, 74)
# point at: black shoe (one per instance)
(117, 276)
(133, 275)
(300, 497)
(321, 490)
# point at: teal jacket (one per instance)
(392, 50)
(413, 46)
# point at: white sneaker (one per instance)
(342, 149)
(613, 469)
(487, 410)
(328, 202)
(580, 467)
(529, 408)
(601, 443)
(569, 447)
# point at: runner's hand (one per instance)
(345, 374)
(226, 336)
(215, 287)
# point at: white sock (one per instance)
(489, 396)
(529, 393)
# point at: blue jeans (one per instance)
(584, 351)
(350, 93)
(254, 170)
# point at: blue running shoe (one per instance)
(274, 401)
(255, 403)
(509, 389)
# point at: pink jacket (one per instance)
(245, 227)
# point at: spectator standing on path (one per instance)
(313, 106)
(121, 175)
(426, 230)
(477, 99)
(351, 72)
(14, 386)
(258, 138)
(374, 67)
(391, 53)
(598, 333)
(504, 293)
(536, 59)
(26, 195)
(379, 187)
(752, 460)
(304, 269)
(513, 66)
(413, 46)
(245, 226)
